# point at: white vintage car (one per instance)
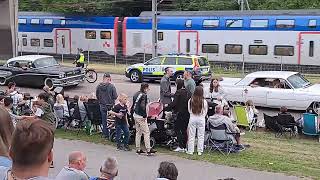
(272, 89)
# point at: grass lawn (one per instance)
(296, 156)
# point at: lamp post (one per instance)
(154, 28)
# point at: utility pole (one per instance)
(154, 28)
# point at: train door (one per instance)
(63, 41)
(188, 42)
(309, 48)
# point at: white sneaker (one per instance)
(199, 153)
(178, 149)
(190, 153)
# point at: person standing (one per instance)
(180, 109)
(120, 112)
(75, 169)
(165, 87)
(139, 110)
(198, 108)
(106, 94)
(189, 83)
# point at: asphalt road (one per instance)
(135, 167)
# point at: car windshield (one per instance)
(298, 81)
(203, 61)
(45, 62)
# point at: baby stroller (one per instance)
(161, 130)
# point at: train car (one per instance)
(271, 37)
(47, 33)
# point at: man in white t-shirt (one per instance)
(75, 169)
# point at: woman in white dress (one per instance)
(216, 93)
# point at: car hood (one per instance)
(314, 89)
(137, 65)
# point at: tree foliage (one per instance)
(134, 7)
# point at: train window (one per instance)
(210, 48)
(160, 36)
(187, 45)
(184, 61)
(63, 22)
(312, 23)
(234, 23)
(136, 40)
(282, 23)
(35, 21)
(210, 23)
(48, 21)
(48, 42)
(258, 50)
(22, 21)
(170, 61)
(189, 23)
(105, 35)
(233, 49)
(311, 48)
(35, 42)
(90, 34)
(24, 41)
(283, 50)
(259, 23)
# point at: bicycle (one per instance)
(91, 75)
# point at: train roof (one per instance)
(299, 12)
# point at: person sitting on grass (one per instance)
(43, 110)
(108, 170)
(120, 111)
(75, 169)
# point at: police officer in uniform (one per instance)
(80, 59)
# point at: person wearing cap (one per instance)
(189, 83)
(108, 170)
(106, 95)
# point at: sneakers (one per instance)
(190, 153)
(119, 147)
(151, 152)
(126, 148)
(178, 149)
(199, 153)
(140, 152)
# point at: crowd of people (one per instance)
(27, 125)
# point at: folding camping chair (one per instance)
(219, 139)
(287, 124)
(242, 118)
(93, 114)
(311, 125)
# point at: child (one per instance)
(120, 111)
(252, 112)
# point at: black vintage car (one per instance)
(39, 70)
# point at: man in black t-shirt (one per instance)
(120, 111)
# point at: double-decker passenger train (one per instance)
(271, 37)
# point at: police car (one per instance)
(154, 68)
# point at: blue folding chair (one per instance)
(311, 125)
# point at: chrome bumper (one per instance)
(68, 81)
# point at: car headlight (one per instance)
(61, 75)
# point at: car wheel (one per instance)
(135, 76)
(2, 81)
(152, 142)
(48, 82)
(316, 107)
(178, 76)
